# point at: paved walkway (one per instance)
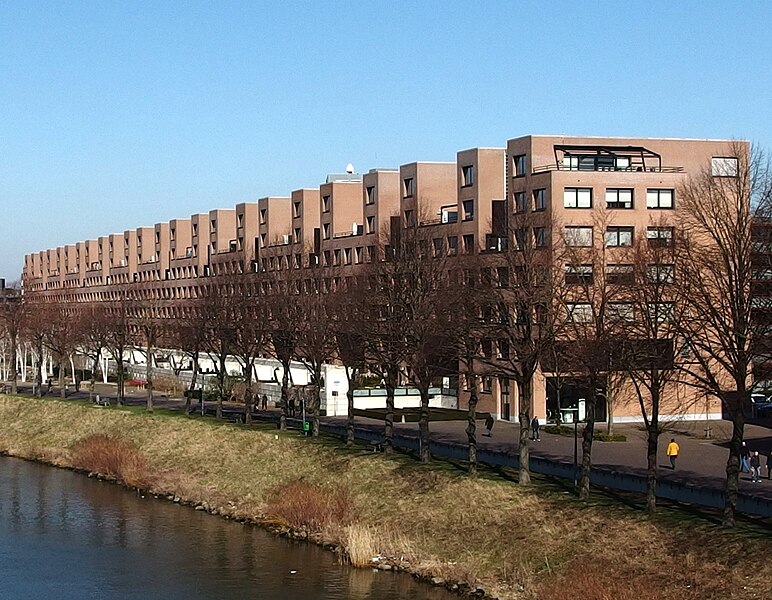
(701, 462)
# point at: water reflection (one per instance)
(65, 536)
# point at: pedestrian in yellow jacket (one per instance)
(672, 452)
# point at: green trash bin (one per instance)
(306, 427)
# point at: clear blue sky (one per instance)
(115, 115)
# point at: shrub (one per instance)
(302, 505)
(111, 457)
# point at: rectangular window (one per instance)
(503, 348)
(370, 224)
(620, 274)
(468, 207)
(467, 175)
(540, 236)
(487, 384)
(519, 165)
(371, 194)
(452, 245)
(325, 204)
(347, 255)
(660, 274)
(469, 244)
(297, 234)
(521, 205)
(723, 166)
(619, 198)
(578, 237)
(407, 184)
(337, 257)
(577, 197)
(438, 245)
(578, 274)
(326, 231)
(502, 277)
(521, 238)
(619, 236)
(359, 253)
(660, 237)
(659, 198)
(661, 312)
(617, 312)
(263, 213)
(296, 209)
(579, 312)
(539, 199)
(409, 218)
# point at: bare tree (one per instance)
(597, 277)
(317, 341)
(648, 319)
(522, 319)
(95, 330)
(13, 312)
(219, 341)
(716, 267)
(61, 338)
(118, 340)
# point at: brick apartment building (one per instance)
(469, 207)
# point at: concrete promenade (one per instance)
(702, 462)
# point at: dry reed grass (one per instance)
(111, 457)
(309, 507)
(483, 530)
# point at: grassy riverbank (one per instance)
(538, 542)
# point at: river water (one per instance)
(64, 536)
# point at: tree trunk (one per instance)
(524, 416)
(735, 402)
(62, 375)
(471, 428)
(388, 426)
(610, 414)
(284, 395)
(248, 394)
(121, 381)
(149, 376)
(587, 436)
(14, 358)
(317, 403)
(423, 424)
(92, 381)
(193, 377)
(350, 412)
(651, 466)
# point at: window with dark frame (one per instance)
(371, 194)
(325, 204)
(468, 208)
(521, 205)
(619, 198)
(519, 165)
(540, 199)
(578, 236)
(577, 197)
(659, 237)
(659, 198)
(618, 274)
(407, 187)
(578, 274)
(467, 175)
(619, 236)
(660, 274)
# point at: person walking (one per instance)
(672, 452)
(769, 465)
(745, 454)
(535, 429)
(489, 424)
(755, 467)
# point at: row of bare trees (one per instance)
(647, 315)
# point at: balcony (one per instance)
(606, 158)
